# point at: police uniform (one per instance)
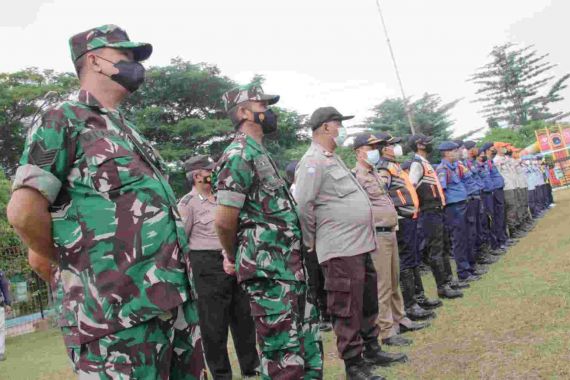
(222, 303)
(338, 224)
(432, 203)
(386, 259)
(269, 262)
(450, 178)
(407, 204)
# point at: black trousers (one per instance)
(222, 303)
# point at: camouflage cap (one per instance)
(199, 162)
(107, 36)
(249, 93)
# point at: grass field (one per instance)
(513, 324)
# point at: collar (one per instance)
(421, 158)
(194, 192)
(320, 149)
(249, 141)
(360, 168)
(90, 100)
(449, 164)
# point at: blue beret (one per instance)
(487, 146)
(447, 145)
(469, 144)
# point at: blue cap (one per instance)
(469, 144)
(447, 145)
(459, 143)
(486, 146)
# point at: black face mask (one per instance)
(267, 120)
(130, 75)
(429, 148)
(484, 159)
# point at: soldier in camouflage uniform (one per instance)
(91, 195)
(259, 228)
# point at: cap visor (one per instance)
(345, 118)
(212, 166)
(270, 99)
(394, 140)
(141, 50)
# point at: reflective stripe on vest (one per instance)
(402, 191)
(429, 185)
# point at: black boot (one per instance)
(374, 355)
(413, 310)
(421, 298)
(359, 369)
(414, 326)
(443, 288)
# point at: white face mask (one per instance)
(373, 156)
(398, 151)
(341, 138)
(465, 154)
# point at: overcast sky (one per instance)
(314, 53)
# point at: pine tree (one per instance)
(511, 86)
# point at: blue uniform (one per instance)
(449, 175)
(499, 230)
(488, 208)
(474, 185)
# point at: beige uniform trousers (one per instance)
(390, 302)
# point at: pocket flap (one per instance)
(337, 284)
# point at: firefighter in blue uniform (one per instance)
(469, 178)
(498, 235)
(449, 175)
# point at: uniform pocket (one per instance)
(343, 184)
(338, 297)
(111, 166)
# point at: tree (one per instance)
(510, 86)
(23, 96)
(430, 114)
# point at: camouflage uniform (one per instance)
(120, 242)
(269, 264)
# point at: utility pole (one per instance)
(404, 99)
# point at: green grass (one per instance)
(513, 324)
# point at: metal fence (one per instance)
(30, 295)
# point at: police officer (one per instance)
(91, 196)
(222, 303)
(450, 178)
(338, 224)
(498, 236)
(386, 259)
(258, 227)
(469, 179)
(406, 201)
(431, 220)
(316, 279)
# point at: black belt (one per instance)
(384, 229)
(472, 197)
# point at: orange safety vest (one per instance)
(401, 190)
(429, 189)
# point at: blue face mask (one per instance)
(373, 157)
(341, 138)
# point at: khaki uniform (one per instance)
(386, 260)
